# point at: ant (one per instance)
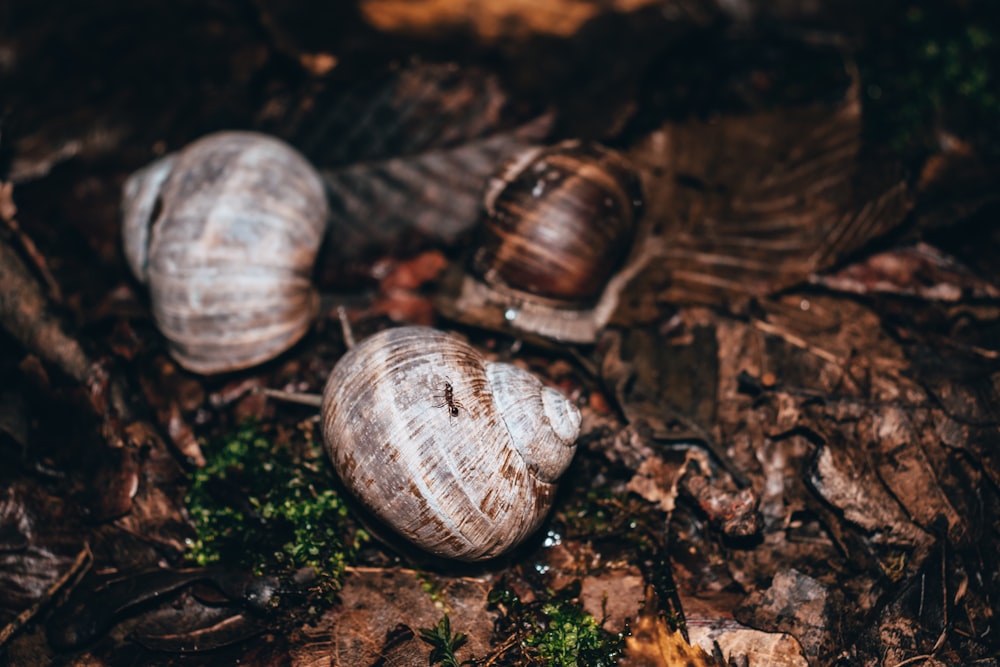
(449, 400)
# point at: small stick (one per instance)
(80, 565)
(345, 327)
(313, 400)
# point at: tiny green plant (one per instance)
(556, 631)
(570, 636)
(263, 501)
(444, 644)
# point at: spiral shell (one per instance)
(467, 475)
(225, 232)
(558, 221)
(558, 225)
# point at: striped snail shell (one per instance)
(225, 233)
(557, 224)
(457, 454)
(557, 221)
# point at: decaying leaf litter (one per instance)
(789, 423)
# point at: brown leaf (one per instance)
(802, 606)
(761, 649)
(397, 112)
(742, 206)
(845, 478)
(39, 553)
(363, 628)
(188, 627)
(435, 194)
(490, 22)
(907, 455)
(653, 644)
(918, 270)
(656, 481)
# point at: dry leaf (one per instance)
(743, 206)
(491, 21)
(762, 649)
(653, 644)
(364, 628)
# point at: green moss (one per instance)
(433, 590)
(571, 636)
(554, 630)
(263, 501)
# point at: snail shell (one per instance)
(468, 478)
(557, 223)
(225, 232)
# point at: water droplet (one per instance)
(510, 314)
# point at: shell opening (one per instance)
(140, 199)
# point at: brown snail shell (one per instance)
(225, 233)
(558, 221)
(457, 454)
(557, 224)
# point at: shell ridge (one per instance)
(478, 523)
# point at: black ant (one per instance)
(449, 400)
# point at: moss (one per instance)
(553, 630)
(433, 591)
(639, 529)
(263, 501)
(571, 636)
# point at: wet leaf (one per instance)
(39, 555)
(917, 271)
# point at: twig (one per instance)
(7, 212)
(345, 327)
(797, 341)
(313, 400)
(80, 565)
(501, 650)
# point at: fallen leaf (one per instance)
(490, 22)
(363, 628)
(653, 644)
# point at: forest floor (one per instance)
(790, 441)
